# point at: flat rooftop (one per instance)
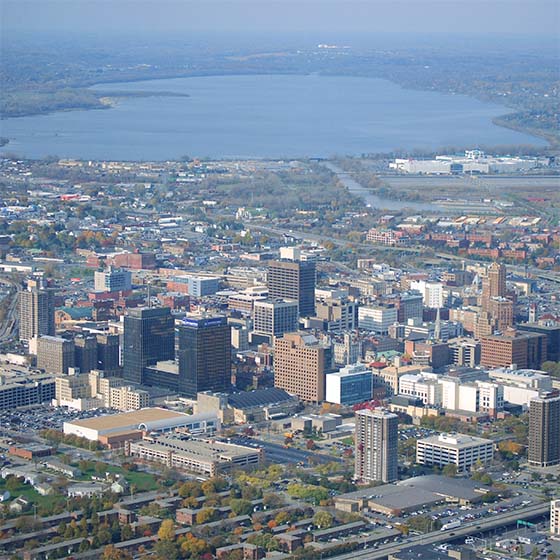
(525, 373)
(169, 366)
(446, 486)
(127, 419)
(396, 498)
(454, 441)
(204, 449)
(417, 491)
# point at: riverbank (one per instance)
(375, 201)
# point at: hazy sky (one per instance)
(477, 16)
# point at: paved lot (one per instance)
(280, 454)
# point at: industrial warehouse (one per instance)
(412, 494)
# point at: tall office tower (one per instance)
(493, 300)
(501, 311)
(293, 280)
(85, 353)
(274, 317)
(376, 446)
(36, 310)
(300, 365)
(544, 430)
(108, 352)
(484, 325)
(204, 355)
(149, 336)
(493, 284)
(55, 354)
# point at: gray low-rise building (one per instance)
(454, 449)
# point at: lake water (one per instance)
(263, 116)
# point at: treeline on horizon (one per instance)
(54, 78)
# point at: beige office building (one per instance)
(300, 364)
(87, 391)
(36, 311)
(55, 354)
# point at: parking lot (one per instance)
(279, 454)
(34, 419)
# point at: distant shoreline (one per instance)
(107, 99)
(553, 142)
(99, 100)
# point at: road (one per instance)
(472, 528)
(321, 239)
(280, 454)
(9, 324)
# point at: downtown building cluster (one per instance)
(397, 337)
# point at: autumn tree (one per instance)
(323, 520)
(205, 515)
(282, 518)
(190, 503)
(193, 547)
(190, 490)
(112, 553)
(273, 501)
(166, 530)
(213, 485)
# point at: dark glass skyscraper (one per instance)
(544, 430)
(149, 337)
(204, 355)
(293, 280)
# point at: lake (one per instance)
(261, 116)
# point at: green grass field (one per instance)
(29, 493)
(143, 482)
